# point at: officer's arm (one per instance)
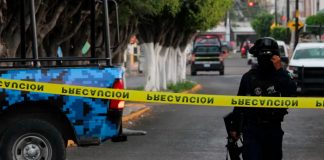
(286, 83)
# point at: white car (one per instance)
(307, 66)
(283, 48)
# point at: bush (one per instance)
(280, 33)
(261, 24)
(317, 19)
(177, 88)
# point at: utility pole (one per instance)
(296, 23)
(276, 18)
(22, 30)
(288, 11)
(228, 28)
(288, 18)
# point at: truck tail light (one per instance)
(117, 104)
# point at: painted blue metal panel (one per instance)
(88, 116)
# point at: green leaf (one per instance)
(261, 24)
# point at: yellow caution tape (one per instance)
(163, 97)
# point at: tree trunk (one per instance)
(172, 66)
(151, 65)
(162, 67)
(181, 67)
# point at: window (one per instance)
(206, 49)
(211, 41)
(313, 53)
(282, 51)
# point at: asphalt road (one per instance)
(178, 132)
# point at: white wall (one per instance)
(321, 4)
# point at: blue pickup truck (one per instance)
(37, 126)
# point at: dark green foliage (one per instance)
(66, 23)
(178, 87)
(261, 24)
(281, 33)
(317, 19)
(176, 20)
(181, 86)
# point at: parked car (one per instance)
(207, 58)
(284, 56)
(307, 66)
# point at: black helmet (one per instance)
(265, 46)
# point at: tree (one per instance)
(60, 23)
(261, 24)
(164, 27)
(166, 33)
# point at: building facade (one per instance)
(306, 7)
(311, 7)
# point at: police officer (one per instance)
(261, 127)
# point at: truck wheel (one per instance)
(120, 137)
(193, 73)
(249, 62)
(32, 139)
(221, 72)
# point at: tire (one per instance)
(221, 72)
(120, 137)
(193, 70)
(249, 62)
(32, 139)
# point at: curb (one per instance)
(71, 143)
(196, 88)
(146, 109)
(136, 114)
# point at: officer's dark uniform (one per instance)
(261, 127)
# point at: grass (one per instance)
(141, 88)
(181, 86)
(177, 88)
